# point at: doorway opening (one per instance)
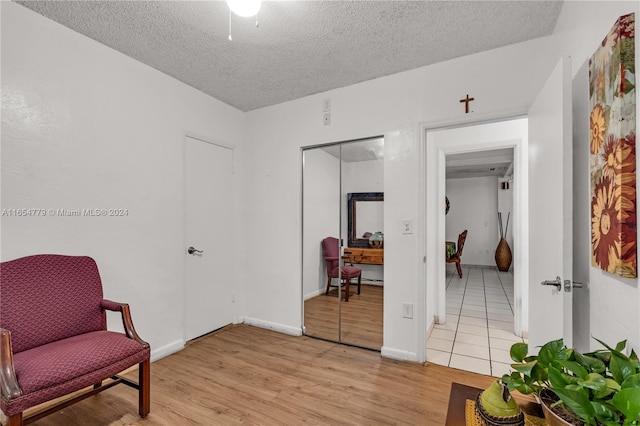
(481, 171)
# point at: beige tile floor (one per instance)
(478, 331)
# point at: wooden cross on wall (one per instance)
(466, 103)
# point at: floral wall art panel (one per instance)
(612, 98)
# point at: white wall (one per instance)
(321, 216)
(393, 106)
(505, 205)
(474, 207)
(84, 126)
(613, 312)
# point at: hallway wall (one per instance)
(474, 207)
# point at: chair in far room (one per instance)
(331, 250)
(455, 258)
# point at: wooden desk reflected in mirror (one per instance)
(367, 256)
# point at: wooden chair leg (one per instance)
(15, 420)
(346, 290)
(144, 394)
(328, 285)
(459, 268)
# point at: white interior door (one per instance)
(209, 218)
(551, 210)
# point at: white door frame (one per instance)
(431, 276)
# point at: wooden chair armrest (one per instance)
(8, 381)
(348, 259)
(127, 322)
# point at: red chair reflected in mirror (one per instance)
(331, 251)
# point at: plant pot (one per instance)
(553, 419)
(503, 255)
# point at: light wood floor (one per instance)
(361, 316)
(247, 375)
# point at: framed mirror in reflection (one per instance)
(365, 213)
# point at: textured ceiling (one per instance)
(497, 162)
(300, 47)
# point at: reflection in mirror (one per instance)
(330, 174)
(370, 218)
(366, 217)
(321, 219)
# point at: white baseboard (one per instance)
(312, 294)
(398, 354)
(167, 350)
(280, 328)
(430, 327)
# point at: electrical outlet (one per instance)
(407, 310)
(327, 118)
(407, 226)
(326, 105)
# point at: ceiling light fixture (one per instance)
(243, 8)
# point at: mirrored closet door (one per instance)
(343, 241)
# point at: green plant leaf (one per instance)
(604, 344)
(578, 388)
(593, 364)
(612, 386)
(575, 368)
(527, 389)
(628, 402)
(631, 382)
(604, 356)
(552, 351)
(634, 359)
(525, 368)
(605, 414)
(621, 345)
(515, 381)
(557, 378)
(609, 423)
(519, 351)
(578, 402)
(539, 374)
(621, 367)
(593, 381)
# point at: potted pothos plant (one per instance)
(596, 388)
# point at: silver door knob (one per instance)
(192, 251)
(557, 283)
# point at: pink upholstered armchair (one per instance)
(331, 249)
(54, 338)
